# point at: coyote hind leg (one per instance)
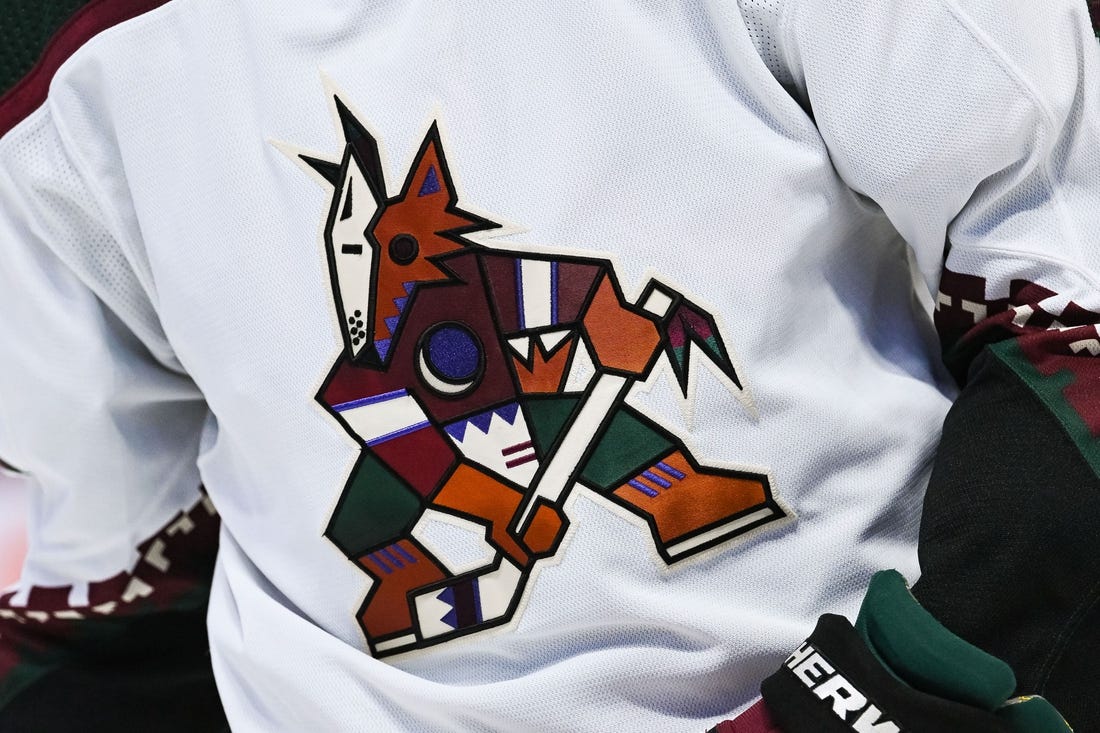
(688, 507)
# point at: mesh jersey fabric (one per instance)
(174, 311)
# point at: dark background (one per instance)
(25, 27)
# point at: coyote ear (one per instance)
(359, 140)
(429, 175)
(362, 143)
(326, 169)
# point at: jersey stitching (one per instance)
(1017, 76)
(1000, 58)
(1090, 279)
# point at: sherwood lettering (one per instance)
(825, 682)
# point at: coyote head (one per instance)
(381, 248)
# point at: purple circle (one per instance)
(454, 352)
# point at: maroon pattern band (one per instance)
(30, 93)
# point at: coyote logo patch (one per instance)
(461, 376)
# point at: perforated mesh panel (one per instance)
(70, 219)
(762, 21)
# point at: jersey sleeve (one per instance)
(974, 127)
(107, 624)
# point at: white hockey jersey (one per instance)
(551, 366)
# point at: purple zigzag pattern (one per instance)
(457, 430)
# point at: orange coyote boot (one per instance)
(690, 508)
(398, 570)
(480, 496)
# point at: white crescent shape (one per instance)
(435, 382)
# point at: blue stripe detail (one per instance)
(642, 488)
(671, 471)
(519, 294)
(553, 292)
(398, 433)
(656, 479)
(385, 397)
(390, 556)
(379, 563)
(404, 553)
(477, 601)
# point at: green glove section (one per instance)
(920, 652)
(1033, 714)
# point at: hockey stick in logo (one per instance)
(681, 324)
